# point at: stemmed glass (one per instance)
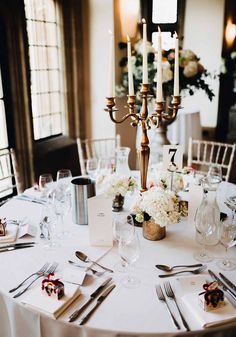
(123, 229)
(91, 167)
(228, 240)
(231, 200)
(214, 174)
(49, 221)
(129, 251)
(45, 183)
(62, 199)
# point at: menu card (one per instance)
(100, 221)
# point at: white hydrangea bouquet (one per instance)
(114, 184)
(161, 205)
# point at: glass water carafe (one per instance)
(122, 164)
(207, 220)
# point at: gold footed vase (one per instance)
(153, 231)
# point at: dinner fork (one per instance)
(50, 270)
(194, 271)
(39, 272)
(170, 293)
(162, 298)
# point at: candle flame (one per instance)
(159, 29)
(143, 20)
(128, 39)
(176, 35)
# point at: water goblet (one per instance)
(129, 251)
(123, 229)
(45, 183)
(228, 240)
(62, 206)
(91, 167)
(214, 175)
(48, 223)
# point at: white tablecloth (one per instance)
(125, 312)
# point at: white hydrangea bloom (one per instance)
(191, 69)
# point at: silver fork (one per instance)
(162, 298)
(171, 294)
(93, 271)
(39, 272)
(50, 270)
(194, 271)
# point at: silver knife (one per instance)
(99, 301)
(17, 244)
(227, 281)
(222, 284)
(2, 250)
(77, 313)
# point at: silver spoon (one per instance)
(168, 268)
(86, 259)
(194, 271)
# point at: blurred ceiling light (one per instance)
(230, 33)
(129, 17)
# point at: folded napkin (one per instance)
(212, 318)
(11, 234)
(37, 299)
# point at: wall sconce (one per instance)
(129, 17)
(230, 33)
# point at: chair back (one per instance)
(96, 148)
(205, 153)
(9, 173)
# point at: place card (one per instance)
(27, 229)
(172, 157)
(73, 275)
(195, 198)
(100, 221)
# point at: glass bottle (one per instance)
(207, 220)
(122, 164)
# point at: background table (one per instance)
(125, 312)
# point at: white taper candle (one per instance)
(145, 63)
(130, 70)
(111, 68)
(159, 91)
(176, 73)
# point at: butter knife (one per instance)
(9, 249)
(222, 284)
(77, 313)
(227, 281)
(99, 301)
(17, 244)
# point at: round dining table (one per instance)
(126, 311)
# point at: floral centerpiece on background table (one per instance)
(116, 186)
(192, 74)
(156, 208)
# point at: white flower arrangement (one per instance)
(114, 184)
(161, 205)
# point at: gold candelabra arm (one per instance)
(111, 109)
(175, 106)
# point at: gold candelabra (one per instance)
(145, 120)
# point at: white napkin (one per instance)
(11, 234)
(73, 275)
(212, 318)
(38, 299)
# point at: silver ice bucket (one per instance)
(82, 188)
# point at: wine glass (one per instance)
(48, 223)
(63, 176)
(214, 175)
(129, 251)
(228, 240)
(231, 199)
(62, 206)
(123, 229)
(45, 183)
(91, 167)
